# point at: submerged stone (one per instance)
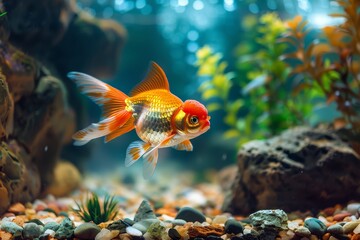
(87, 231)
(32, 230)
(233, 226)
(11, 227)
(144, 211)
(66, 229)
(190, 215)
(269, 219)
(315, 226)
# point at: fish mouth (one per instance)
(205, 126)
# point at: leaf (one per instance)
(232, 133)
(213, 107)
(255, 83)
(235, 106)
(209, 93)
(339, 123)
(294, 23)
(320, 49)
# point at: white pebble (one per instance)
(353, 208)
(247, 231)
(357, 229)
(49, 232)
(133, 232)
(106, 234)
(220, 219)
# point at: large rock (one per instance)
(302, 169)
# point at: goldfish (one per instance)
(159, 118)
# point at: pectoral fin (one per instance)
(135, 151)
(150, 161)
(184, 146)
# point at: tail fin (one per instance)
(112, 102)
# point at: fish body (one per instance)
(160, 118)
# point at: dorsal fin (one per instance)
(155, 79)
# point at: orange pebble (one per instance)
(17, 208)
(340, 216)
(356, 237)
(5, 235)
(326, 236)
(54, 207)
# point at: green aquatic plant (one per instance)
(330, 62)
(269, 101)
(92, 210)
(217, 87)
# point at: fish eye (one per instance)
(194, 120)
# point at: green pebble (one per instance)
(37, 221)
(12, 228)
(315, 226)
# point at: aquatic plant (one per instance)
(284, 78)
(330, 62)
(92, 210)
(265, 106)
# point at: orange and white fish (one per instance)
(159, 117)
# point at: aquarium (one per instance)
(180, 119)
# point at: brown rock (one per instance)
(5, 235)
(66, 179)
(302, 169)
(17, 208)
(340, 216)
(355, 237)
(203, 231)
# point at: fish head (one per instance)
(192, 119)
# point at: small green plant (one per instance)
(91, 210)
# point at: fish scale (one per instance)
(152, 111)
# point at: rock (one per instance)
(340, 216)
(133, 232)
(20, 178)
(156, 231)
(315, 226)
(129, 222)
(52, 226)
(17, 208)
(66, 229)
(32, 230)
(36, 221)
(12, 228)
(350, 226)
(269, 219)
(190, 215)
(335, 229)
(219, 219)
(173, 234)
(118, 225)
(66, 179)
(204, 231)
(106, 234)
(233, 226)
(178, 222)
(86, 231)
(211, 237)
(144, 211)
(145, 224)
(277, 173)
(303, 232)
(357, 229)
(353, 208)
